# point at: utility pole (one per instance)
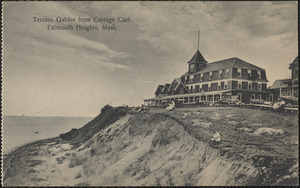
(280, 89)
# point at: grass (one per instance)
(227, 122)
(76, 161)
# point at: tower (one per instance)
(197, 62)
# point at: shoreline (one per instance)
(9, 151)
(26, 145)
(20, 155)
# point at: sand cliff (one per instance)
(120, 147)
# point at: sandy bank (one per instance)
(164, 148)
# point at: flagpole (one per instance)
(198, 38)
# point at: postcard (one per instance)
(142, 93)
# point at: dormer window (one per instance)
(249, 73)
(192, 66)
(259, 74)
(210, 75)
(201, 77)
(239, 72)
(200, 66)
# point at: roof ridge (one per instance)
(248, 63)
(197, 57)
(234, 60)
(222, 60)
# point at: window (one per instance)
(210, 87)
(239, 85)
(210, 75)
(219, 85)
(259, 86)
(227, 72)
(253, 96)
(225, 86)
(239, 72)
(220, 73)
(201, 77)
(192, 89)
(259, 97)
(200, 66)
(200, 88)
(249, 73)
(191, 78)
(250, 85)
(259, 74)
(192, 66)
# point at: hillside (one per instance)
(123, 147)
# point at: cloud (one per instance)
(260, 19)
(40, 39)
(153, 49)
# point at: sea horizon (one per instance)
(54, 116)
(21, 130)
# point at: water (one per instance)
(19, 130)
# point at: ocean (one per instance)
(20, 130)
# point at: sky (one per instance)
(76, 72)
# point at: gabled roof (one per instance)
(295, 60)
(180, 83)
(283, 83)
(173, 84)
(294, 63)
(226, 64)
(166, 87)
(197, 58)
(159, 88)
